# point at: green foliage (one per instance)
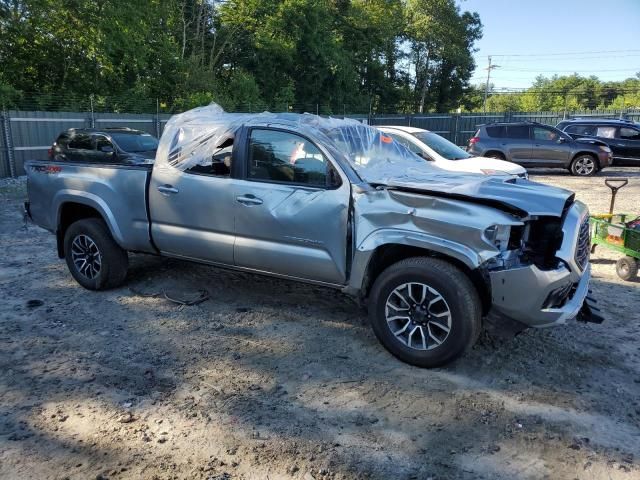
(333, 55)
(572, 92)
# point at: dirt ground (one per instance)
(272, 379)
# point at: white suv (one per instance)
(447, 155)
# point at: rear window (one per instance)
(135, 142)
(81, 141)
(518, 131)
(62, 140)
(497, 131)
(581, 129)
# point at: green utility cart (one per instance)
(619, 232)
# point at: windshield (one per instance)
(371, 151)
(135, 142)
(442, 146)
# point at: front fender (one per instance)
(448, 248)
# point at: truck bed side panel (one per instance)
(118, 193)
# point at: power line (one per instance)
(636, 69)
(560, 54)
(567, 59)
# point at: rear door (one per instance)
(548, 147)
(80, 148)
(291, 209)
(627, 146)
(518, 143)
(191, 211)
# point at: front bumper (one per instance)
(605, 159)
(522, 294)
(543, 298)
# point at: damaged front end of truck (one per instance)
(525, 244)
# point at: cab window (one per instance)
(544, 134)
(284, 157)
(217, 163)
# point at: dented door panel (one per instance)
(292, 230)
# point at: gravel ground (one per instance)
(272, 379)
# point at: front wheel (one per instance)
(584, 166)
(94, 259)
(425, 311)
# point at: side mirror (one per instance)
(562, 139)
(106, 149)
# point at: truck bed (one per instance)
(118, 192)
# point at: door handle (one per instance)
(167, 189)
(249, 200)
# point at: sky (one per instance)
(589, 37)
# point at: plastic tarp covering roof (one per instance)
(191, 138)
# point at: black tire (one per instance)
(460, 298)
(584, 166)
(108, 261)
(627, 268)
(496, 155)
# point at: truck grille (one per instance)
(583, 245)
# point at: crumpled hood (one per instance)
(513, 193)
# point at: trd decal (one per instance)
(47, 169)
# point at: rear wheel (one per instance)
(94, 259)
(425, 311)
(627, 268)
(584, 166)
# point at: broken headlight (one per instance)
(498, 235)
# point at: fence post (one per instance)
(93, 119)
(456, 127)
(8, 142)
(157, 118)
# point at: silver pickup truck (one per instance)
(433, 254)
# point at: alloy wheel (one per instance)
(418, 316)
(86, 256)
(585, 166)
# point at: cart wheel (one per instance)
(627, 268)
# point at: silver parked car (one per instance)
(434, 254)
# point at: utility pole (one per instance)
(486, 87)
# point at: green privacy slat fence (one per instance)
(460, 127)
(28, 134)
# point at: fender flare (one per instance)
(458, 251)
(65, 196)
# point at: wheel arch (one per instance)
(585, 152)
(387, 254)
(494, 151)
(70, 212)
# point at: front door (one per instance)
(291, 209)
(191, 211)
(627, 146)
(548, 148)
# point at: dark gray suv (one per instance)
(536, 145)
(622, 136)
